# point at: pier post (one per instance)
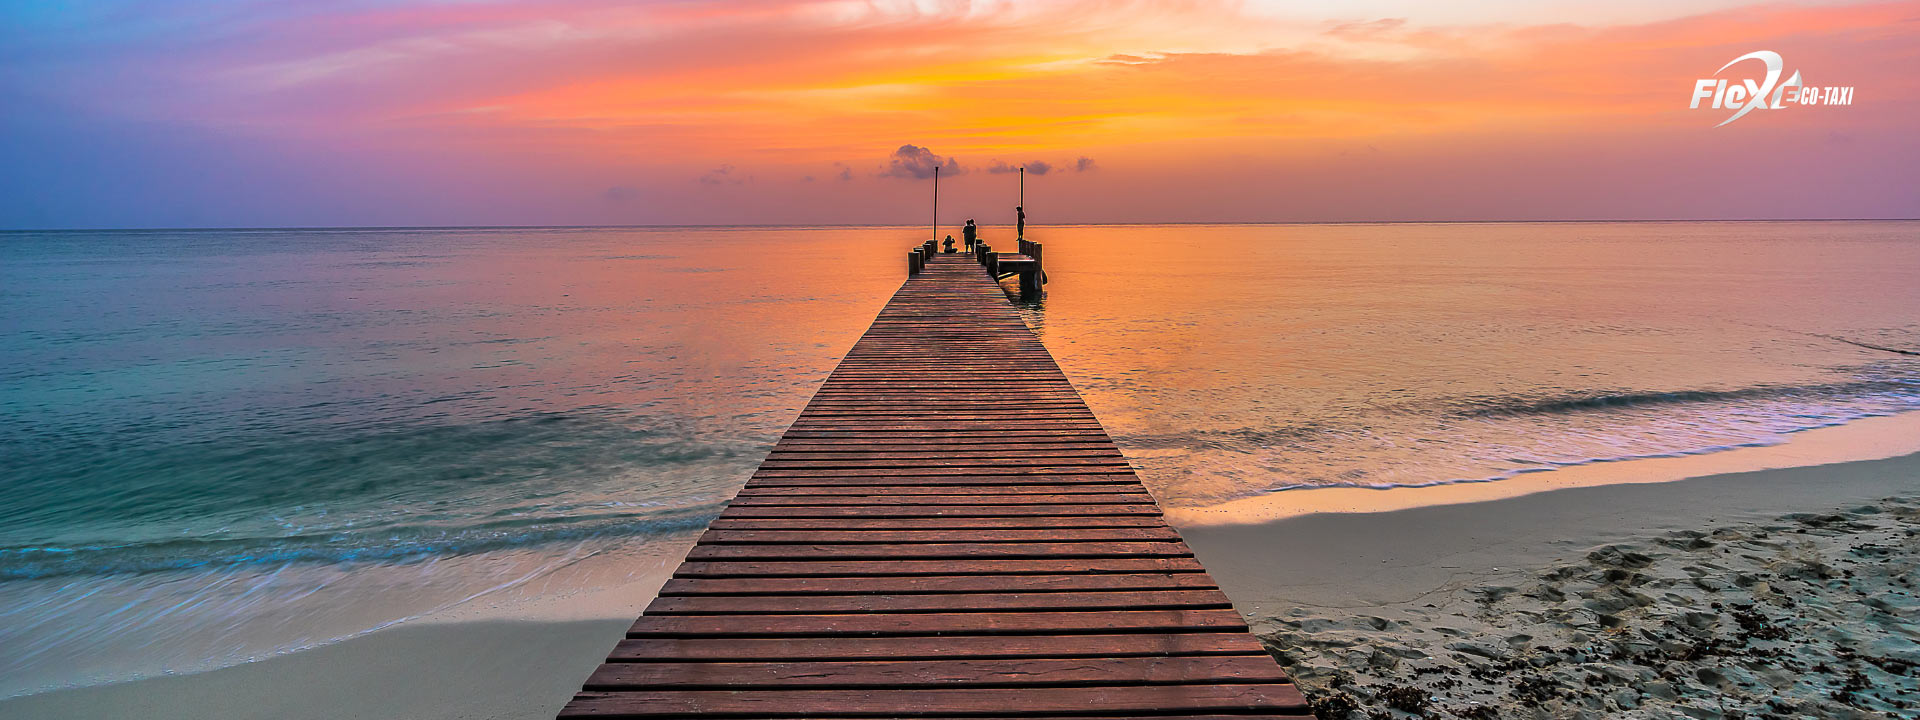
(1039, 265)
(1030, 282)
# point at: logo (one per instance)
(1765, 93)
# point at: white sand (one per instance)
(436, 670)
(1598, 601)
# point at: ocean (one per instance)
(223, 445)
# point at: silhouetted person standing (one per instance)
(1021, 230)
(971, 234)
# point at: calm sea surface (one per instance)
(217, 446)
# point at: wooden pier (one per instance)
(945, 532)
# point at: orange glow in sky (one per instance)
(576, 111)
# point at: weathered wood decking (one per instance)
(945, 532)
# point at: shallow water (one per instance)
(238, 443)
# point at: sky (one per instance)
(257, 113)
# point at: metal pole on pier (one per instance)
(936, 203)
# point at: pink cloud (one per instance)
(1195, 110)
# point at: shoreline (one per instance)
(1870, 438)
(486, 659)
(595, 590)
(1321, 565)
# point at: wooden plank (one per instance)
(1274, 715)
(955, 551)
(998, 436)
(1122, 470)
(940, 523)
(1090, 488)
(935, 480)
(745, 501)
(887, 457)
(1009, 599)
(965, 623)
(946, 412)
(945, 531)
(922, 648)
(960, 445)
(913, 511)
(925, 454)
(927, 701)
(1011, 673)
(935, 585)
(946, 466)
(855, 568)
(842, 537)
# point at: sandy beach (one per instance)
(1771, 593)
(484, 661)
(484, 669)
(1774, 593)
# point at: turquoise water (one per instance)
(220, 445)
(238, 443)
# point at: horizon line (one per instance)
(664, 226)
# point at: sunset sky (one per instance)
(221, 113)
